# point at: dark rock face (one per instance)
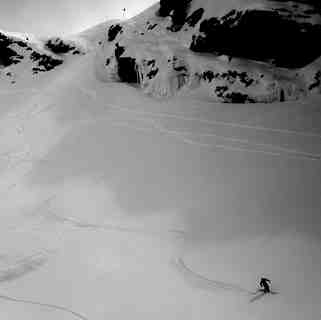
(195, 17)
(151, 26)
(262, 35)
(127, 67)
(178, 11)
(9, 56)
(113, 32)
(44, 62)
(58, 46)
(153, 70)
(283, 34)
(317, 81)
(119, 50)
(231, 76)
(232, 97)
(127, 70)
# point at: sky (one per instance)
(47, 17)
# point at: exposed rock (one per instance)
(44, 62)
(260, 53)
(59, 46)
(195, 17)
(113, 31)
(317, 81)
(127, 70)
(178, 10)
(261, 35)
(8, 55)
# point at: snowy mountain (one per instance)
(230, 51)
(24, 55)
(116, 205)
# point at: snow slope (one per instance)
(229, 51)
(116, 205)
(24, 57)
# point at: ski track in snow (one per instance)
(289, 153)
(22, 266)
(204, 281)
(152, 119)
(178, 262)
(93, 95)
(223, 123)
(113, 227)
(181, 135)
(19, 269)
(44, 305)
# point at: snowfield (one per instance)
(116, 205)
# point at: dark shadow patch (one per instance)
(113, 32)
(195, 17)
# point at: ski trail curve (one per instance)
(45, 305)
(114, 227)
(192, 275)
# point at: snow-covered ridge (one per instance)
(231, 51)
(22, 53)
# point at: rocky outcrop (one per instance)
(59, 46)
(262, 35)
(37, 55)
(113, 32)
(263, 52)
(44, 62)
(8, 55)
(178, 11)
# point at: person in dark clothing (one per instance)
(264, 283)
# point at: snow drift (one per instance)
(230, 51)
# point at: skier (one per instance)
(264, 283)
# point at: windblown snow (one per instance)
(117, 205)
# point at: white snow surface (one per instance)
(115, 205)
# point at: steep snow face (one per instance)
(231, 51)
